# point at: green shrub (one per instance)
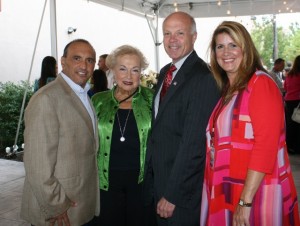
(11, 98)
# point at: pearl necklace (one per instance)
(122, 131)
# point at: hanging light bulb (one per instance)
(229, 8)
(7, 150)
(175, 6)
(15, 148)
(219, 3)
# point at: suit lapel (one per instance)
(177, 82)
(78, 105)
(96, 125)
(175, 85)
(162, 75)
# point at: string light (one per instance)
(219, 3)
(175, 6)
(229, 8)
(285, 3)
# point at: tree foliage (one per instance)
(288, 41)
(292, 48)
(11, 98)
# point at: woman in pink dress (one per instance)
(248, 178)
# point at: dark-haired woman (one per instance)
(99, 82)
(48, 72)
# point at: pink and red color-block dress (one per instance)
(249, 133)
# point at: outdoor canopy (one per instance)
(154, 9)
(204, 8)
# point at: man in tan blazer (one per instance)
(61, 142)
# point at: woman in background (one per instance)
(248, 179)
(292, 99)
(124, 120)
(48, 72)
(99, 82)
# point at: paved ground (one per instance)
(12, 179)
(11, 185)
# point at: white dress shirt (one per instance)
(82, 94)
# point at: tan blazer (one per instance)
(59, 157)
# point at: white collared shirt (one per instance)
(110, 79)
(82, 94)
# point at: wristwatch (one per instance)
(244, 204)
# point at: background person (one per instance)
(277, 73)
(124, 115)
(176, 148)
(109, 74)
(61, 142)
(292, 99)
(248, 178)
(48, 72)
(287, 69)
(99, 81)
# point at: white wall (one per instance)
(104, 27)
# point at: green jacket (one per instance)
(106, 107)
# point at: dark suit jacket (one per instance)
(176, 145)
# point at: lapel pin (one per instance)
(175, 83)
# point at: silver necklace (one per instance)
(122, 131)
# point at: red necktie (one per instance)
(167, 81)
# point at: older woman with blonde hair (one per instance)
(124, 120)
(248, 178)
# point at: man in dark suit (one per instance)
(176, 147)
